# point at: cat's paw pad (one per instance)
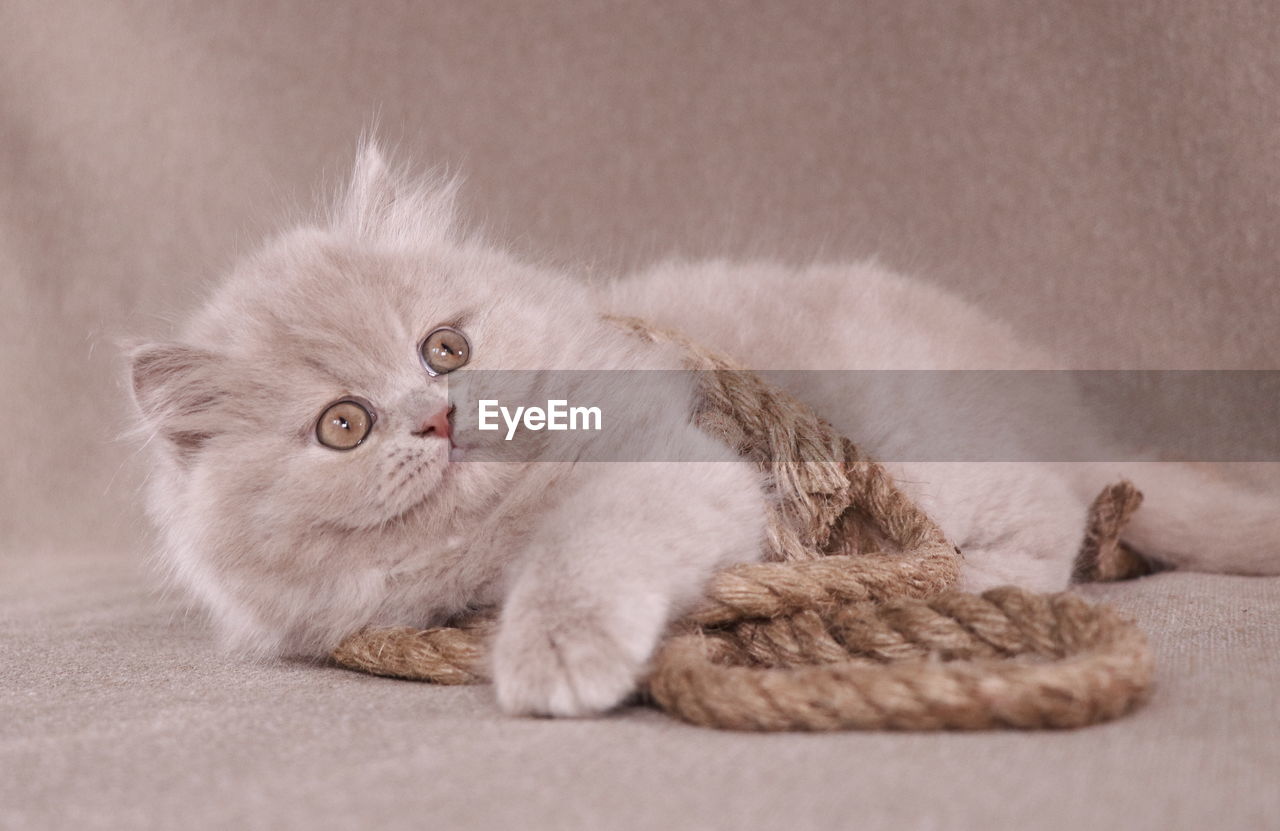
(556, 671)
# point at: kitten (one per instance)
(311, 478)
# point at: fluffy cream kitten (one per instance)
(310, 477)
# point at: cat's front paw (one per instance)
(562, 670)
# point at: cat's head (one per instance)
(308, 398)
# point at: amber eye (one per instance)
(444, 350)
(344, 424)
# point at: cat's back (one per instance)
(824, 316)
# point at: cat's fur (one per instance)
(292, 545)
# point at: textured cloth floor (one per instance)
(119, 714)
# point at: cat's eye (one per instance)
(344, 424)
(444, 350)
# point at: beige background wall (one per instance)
(1106, 175)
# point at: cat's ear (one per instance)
(383, 203)
(179, 393)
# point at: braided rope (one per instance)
(442, 654)
(832, 632)
(948, 662)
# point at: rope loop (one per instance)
(851, 621)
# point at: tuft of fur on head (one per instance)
(391, 206)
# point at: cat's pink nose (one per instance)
(436, 425)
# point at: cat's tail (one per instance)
(1193, 519)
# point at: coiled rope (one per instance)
(851, 622)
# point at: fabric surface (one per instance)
(117, 716)
(1104, 176)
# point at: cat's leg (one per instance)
(627, 547)
(1195, 517)
(1015, 523)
